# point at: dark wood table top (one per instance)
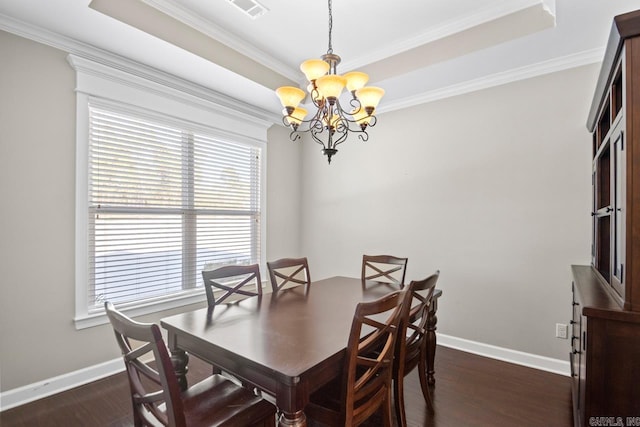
(290, 331)
(278, 341)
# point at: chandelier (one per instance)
(330, 124)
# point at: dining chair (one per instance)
(384, 268)
(234, 280)
(288, 270)
(366, 382)
(156, 396)
(411, 346)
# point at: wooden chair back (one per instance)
(292, 271)
(233, 280)
(155, 393)
(384, 268)
(369, 360)
(412, 350)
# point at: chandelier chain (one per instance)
(330, 50)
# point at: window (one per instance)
(169, 176)
(164, 200)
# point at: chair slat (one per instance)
(240, 277)
(384, 268)
(288, 271)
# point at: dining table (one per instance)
(286, 344)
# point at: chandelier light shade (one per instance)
(290, 96)
(330, 124)
(370, 97)
(314, 68)
(356, 80)
(296, 117)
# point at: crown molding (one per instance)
(89, 52)
(224, 103)
(135, 75)
(176, 11)
(210, 29)
(449, 28)
(541, 68)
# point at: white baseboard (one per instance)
(39, 390)
(507, 355)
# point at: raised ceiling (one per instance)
(418, 50)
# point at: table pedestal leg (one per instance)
(296, 419)
(432, 321)
(291, 400)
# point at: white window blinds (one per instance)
(164, 200)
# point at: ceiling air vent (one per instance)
(252, 8)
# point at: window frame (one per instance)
(152, 96)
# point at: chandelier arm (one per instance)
(362, 133)
(285, 122)
(314, 121)
(356, 105)
(341, 139)
(372, 118)
(294, 135)
(316, 99)
(346, 115)
(316, 139)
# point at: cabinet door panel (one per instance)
(619, 191)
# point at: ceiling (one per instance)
(418, 50)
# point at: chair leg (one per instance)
(387, 410)
(398, 391)
(422, 370)
(137, 419)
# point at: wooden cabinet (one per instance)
(605, 342)
(605, 353)
(614, 121)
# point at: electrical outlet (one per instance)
(561, 331)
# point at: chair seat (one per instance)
(324, 405)
(156, 397)
(217, 401)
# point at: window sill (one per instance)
(100, 318)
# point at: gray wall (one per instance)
(490, 187)
(284, 182)
(38, 339)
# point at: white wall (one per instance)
(38, 339)
(491, 187)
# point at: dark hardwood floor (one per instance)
(470, 391)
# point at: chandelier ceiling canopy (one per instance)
(330, 123)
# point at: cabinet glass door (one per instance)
(618, 244)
